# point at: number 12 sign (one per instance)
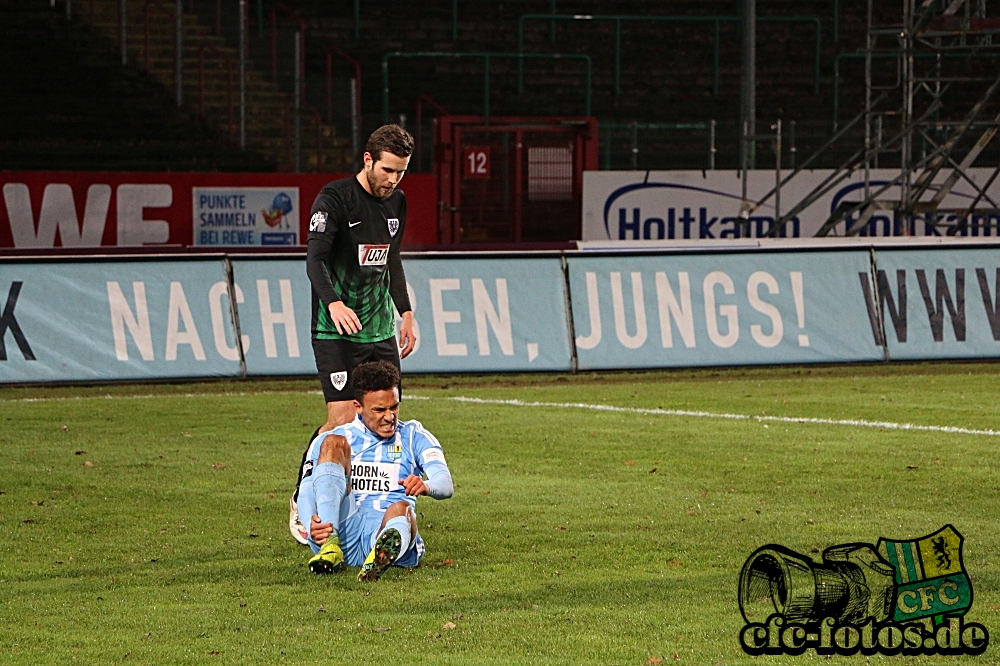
(477, 162)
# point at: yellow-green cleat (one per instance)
(384, 553)
(329, 559)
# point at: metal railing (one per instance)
(486, 56)
(454, 20)
(632, 148)
(419, 147)
(619, 18)
(282, 8)
(355, 93)
(293, 143)
(885, 56)
(146, 29)
(229, 83)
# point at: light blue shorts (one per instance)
(358, 533)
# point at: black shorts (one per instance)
(335, 359)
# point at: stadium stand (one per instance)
(669, 88)
(71, 106)
(666, 76)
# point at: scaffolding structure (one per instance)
(932, 106)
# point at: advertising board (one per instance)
(705, 205)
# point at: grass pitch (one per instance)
(147, 524)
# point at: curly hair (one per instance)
(373, 376)
(389, 138)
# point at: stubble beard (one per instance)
(375, 187)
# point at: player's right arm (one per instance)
(327, 216)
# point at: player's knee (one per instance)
(400, 507)
(334, 449)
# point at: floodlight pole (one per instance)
(355, 122)
(298, 101)
(748, 85)
(123, 28)
(243, 74)
(178, 75)
(748, 102)
(711, 146)
(777, 170)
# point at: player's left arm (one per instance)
(430, 461)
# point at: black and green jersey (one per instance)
(353, 256)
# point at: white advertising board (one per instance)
(705, 205)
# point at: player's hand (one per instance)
(320, 531)
(414, 485)
(344, 319)
(407, 335)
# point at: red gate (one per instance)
(513, 179)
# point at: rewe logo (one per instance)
(373, 255)
(58, 211)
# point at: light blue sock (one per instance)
(330, 485)
(402, 525)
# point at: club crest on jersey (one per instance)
(318, 222)
(394, 451)
(338, 379)
(393, 225)
(373, 255)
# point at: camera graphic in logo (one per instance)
(899, 597)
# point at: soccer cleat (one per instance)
(295, 525)
(384, 553)
(329, 559)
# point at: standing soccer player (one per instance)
(355, 232)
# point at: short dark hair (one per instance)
(389, 138)
(373, 376)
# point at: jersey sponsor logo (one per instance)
(373, 255)
(318, 222)
(374, 477)
(354, 224)
(434, 455)
(393, 225)
(394, 451)
(338, 379)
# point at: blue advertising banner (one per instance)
(470, 314)
(722, 309)
(274, 301)
(171, 318)
(487, 314)
(115, 320)
(936, 304)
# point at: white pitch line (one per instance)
(151, 396)
(859, 423)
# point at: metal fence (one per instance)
(638, 145)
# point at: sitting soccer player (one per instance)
(363, 478)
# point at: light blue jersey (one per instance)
(377, 467)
